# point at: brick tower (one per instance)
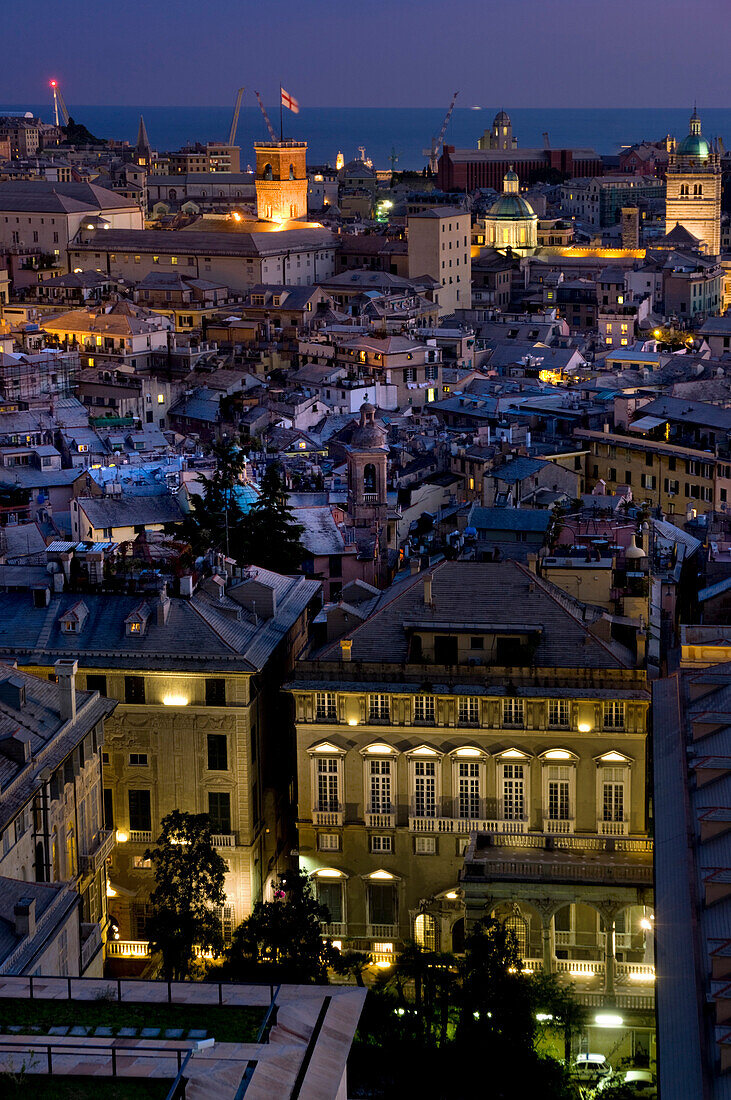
(281, 180)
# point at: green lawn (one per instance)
(225, 1024)
(15, 1087)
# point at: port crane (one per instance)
(59, 105)
(436, 143)
(235, 119)
(262, 108)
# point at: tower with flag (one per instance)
(281, 171)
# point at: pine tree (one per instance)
(189, 882)
(215, 519)
(269, 535)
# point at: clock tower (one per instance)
(693, 188)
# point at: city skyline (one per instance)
(392, 41)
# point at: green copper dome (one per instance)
(694, 145)
(511, 207)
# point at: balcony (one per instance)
(463, 826)
(140, 836)
(383, 932)
(103, 846)
(336, 929)
(91, 945)
(128, 949)
(328, 817)
(224, 840)
(559, 827)
(612, 828)
(381, 820)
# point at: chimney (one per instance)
(346, 645)
(415, 566)
(66, 674)
(532, 562)
(186, 586)
(428, 591)
(163, 607)
(25, 917)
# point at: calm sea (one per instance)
(404, 131)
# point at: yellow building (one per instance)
(281, 180)
(198, 724)
(476, 706)
(666, 476)
(693, 195)
(439, 245)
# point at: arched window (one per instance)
(425, 931)
(698, 189)
(369, 478)
(291, 171)
(40, 862)
(220, 194)
(267, 174)
(518, 925)
(684, 190)
(172, 194)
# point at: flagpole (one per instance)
(281, 115)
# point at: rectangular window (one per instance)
(328, 842)
(108, 808)
(613, 794)
(96, 682)
(424, 708)
(513, 792)
(379, 708)
(469, 710)
(379, 786)
(325, 705)
(513, 712)
(614, 716)
(217, 752)
(381, 903)
(138, 760)
(425, 788)
(219, 811)
(558, 794)
(330, 894)
(216, 693)
(134, 689)
(468, 790)
(380, 843)
(558, 713)
(140, 813)
(425, 845)
(328, 792)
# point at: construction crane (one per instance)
(436, 143)
(58, 102)
(235, 119)
(393, 158)
(262, 108)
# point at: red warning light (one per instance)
(53, 83)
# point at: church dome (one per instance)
(694, 145)
(501, 119)
(368, 434)
(511, 207)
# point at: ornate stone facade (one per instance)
(693, 197)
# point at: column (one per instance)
(609, 959)
(548, 940)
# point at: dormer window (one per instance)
(73, 621)
(136, 622)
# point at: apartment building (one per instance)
(664, 474)
(54, 846)
(44, 216)
(240, 260)
(479, 706)
(439, 242)
(198, 726)
(411, 368)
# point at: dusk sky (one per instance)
(371, 53)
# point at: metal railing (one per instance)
(91, 861)
(103, 1054)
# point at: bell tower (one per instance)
(367, 488)
(281, 180)
(693, 188)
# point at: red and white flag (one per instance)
(289, 101)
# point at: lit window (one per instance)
(469, 710)
(161, 399)
(425, 845)
(424, 708)
(379, 708)
(425, 788)
(325, 705)
(173, 259)
(558, 713)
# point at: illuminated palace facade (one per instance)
(477, 747)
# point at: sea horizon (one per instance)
(386, 131)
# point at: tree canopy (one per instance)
(189, 882)
(283, 937)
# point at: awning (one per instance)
(646, 424)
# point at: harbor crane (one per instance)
(235, 119)
(262, 108)
(436, 143)
(59, 105)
